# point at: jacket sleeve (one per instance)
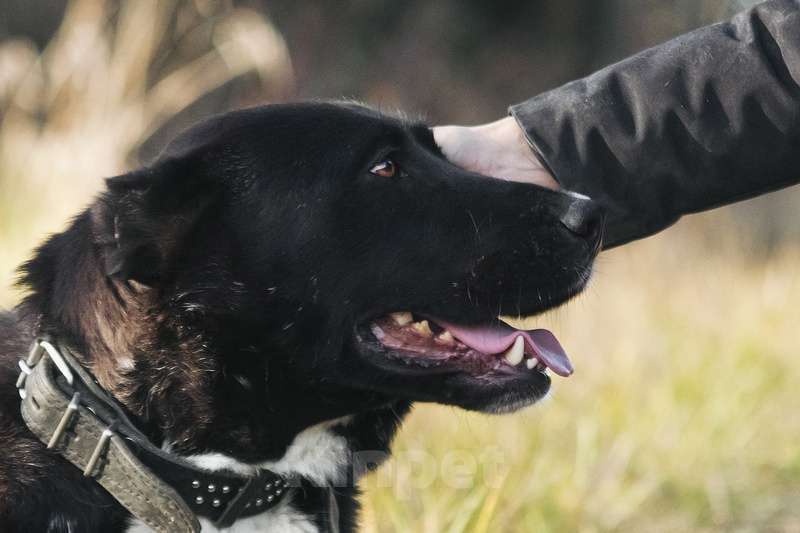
(709, 118)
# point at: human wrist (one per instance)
(511, 142)
(507, 135)
(498, 149)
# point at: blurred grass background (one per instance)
(682, 413)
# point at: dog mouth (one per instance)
(486, 349)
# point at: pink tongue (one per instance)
(498, 337)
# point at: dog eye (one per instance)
(386, 169)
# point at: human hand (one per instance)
(496, 149)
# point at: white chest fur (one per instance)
(317, 453)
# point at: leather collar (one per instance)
(67, 410)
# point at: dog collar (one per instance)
(69, 412)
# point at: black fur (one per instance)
(218, 292)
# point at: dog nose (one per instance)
(583, 217)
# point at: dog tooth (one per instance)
(446, 337)
(423, 328)
(531, 363)
(516, 353)
(402, 319)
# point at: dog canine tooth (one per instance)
(402, 319)
(446, 337)
(516, 353)
(531, 363)
(423, 328)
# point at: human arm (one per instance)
(709, 118)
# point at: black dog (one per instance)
(276, 290)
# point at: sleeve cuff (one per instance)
(517, 111)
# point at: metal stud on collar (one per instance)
(66, 418)
(98, 451)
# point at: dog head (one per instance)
(335, 259)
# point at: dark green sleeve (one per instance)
(706, 119)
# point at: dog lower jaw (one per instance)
(512, 405)
(505, 399)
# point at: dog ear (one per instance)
(142, 220)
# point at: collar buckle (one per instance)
(38, 349)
